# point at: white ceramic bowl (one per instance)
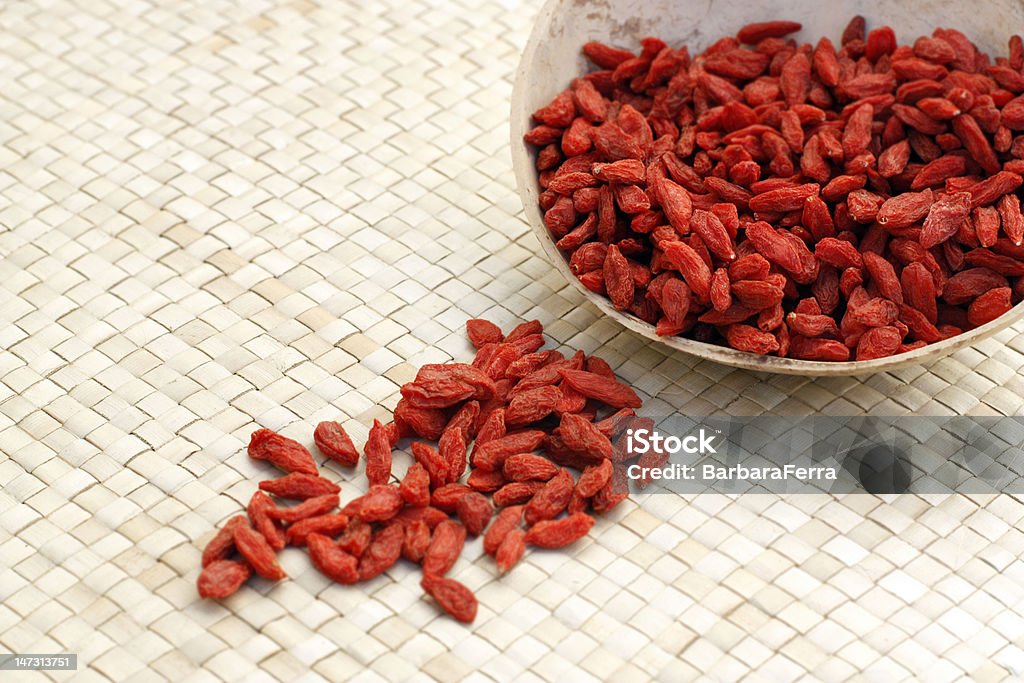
(553, 58)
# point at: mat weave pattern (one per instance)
(216, 216)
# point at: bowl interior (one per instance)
(553, 58)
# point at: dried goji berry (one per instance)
(300, 486)
(516, 493)
(356, 537)
(605, 389)
(446, 498)
(384, 550)
(327, 525)
(551, 499)
(334, 442)
(452, 596)
(222, 578)
(435, 465)
(445, 547)
(257, 552)
(557, 533)
(378, 455)
(223, 542)
(491, 456)
(282, 452)
(474, 511)
(415, 487)
(416, 541)
(260, 514)
(311, 507)
(989, 306)
(511, 550)
(527, 466)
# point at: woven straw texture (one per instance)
(217, 216)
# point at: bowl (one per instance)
(553, 58)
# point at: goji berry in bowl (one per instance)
(818, 196)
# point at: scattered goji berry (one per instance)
(257, 552)
(331, 560)
(557, 533)
(452, 596)
(445, 547)
(282, 452)
(384, 550)
(299, 486)
(327, 525)
(222, 578)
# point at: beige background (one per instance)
(217, 216)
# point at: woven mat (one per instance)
(220, 215)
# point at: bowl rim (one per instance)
(526, 185)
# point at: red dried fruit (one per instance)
(452, 596)
(284, 453)
(747, 338)
(711, 230)
(445, 547)
(312, 507)
(327, 525)
(331, 560)
(989, 306)
(474, 511)
(415, 487)
(254, 548)
(784, 199)
(618, 278)
(482, 332)
(381, 502)
(447, 497)
(593, 479)
(600, 388)
(223, 542)
(692, 267)
(511, 550)
(551, 499)
(945, 217)
(299, 486)
(383, 551)
(884, 276)
(558, 533)
(532, 405)
(435, 465)
(751, 34)
(516, 493)
(452, 447)
(260, 510)
(378, 455)
(334, 442)
(506, 520)
(356, 537)
(905, 209)
(222, 578)
(527, 467)
(919, 290)
(818, 349)
(878, 342)
(430, 515)
(416, 541)
(583, 435)
(491, 456)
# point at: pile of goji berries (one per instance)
(490, 418)
(791, 199)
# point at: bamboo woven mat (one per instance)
(221, 215)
